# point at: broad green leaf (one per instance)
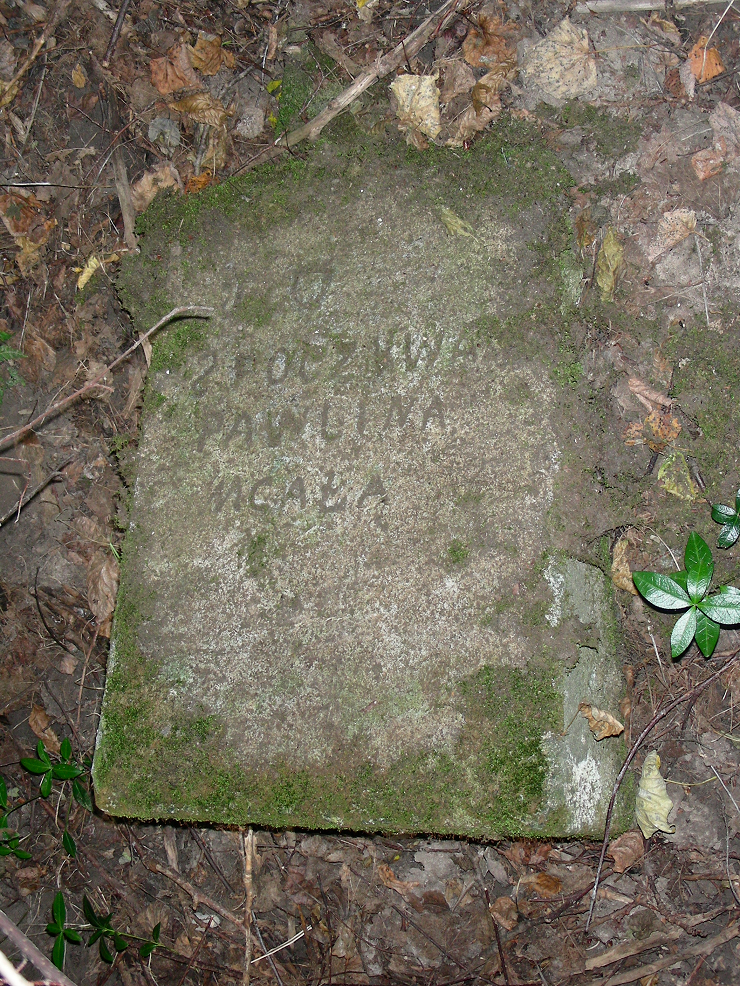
(22, 854)
(69, 844)
(683, 632)
(156, 930)
(66, 749)
(729, 590)
(59, 909)
(3, 822)
(81, 795)
(57, 953)
(707, 634)
(42, 754)
(45, 785)
(66, 771)
(74, 936)
(698, 581)
(54, 929)
(737, 501)
(35, 766)
(105, 954)
(661, 591)
(94, 937)
(698, 553)
(3, 793)
(146, 949)
(89, 911)
(723, 608)
(722, 514)
(729, 535)
(120, 943)
(682, 578)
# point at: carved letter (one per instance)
(263, 505)
(325, 434)
(277, 370)
(297, 491)
(402, 412)
(287, 420)
(374, 488)
(329, 490)
(435, 409)
(382, 353)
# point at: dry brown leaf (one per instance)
(609, 264)
(174, 71)
(543, 884)
(471, 122)
(418, 104)
(527, 853)
(196, 183)
(492, 43)
(585, 230)
(390, 880)
(627, 850)
(665, 27)
(601, 723)
(647, 395)
(504, 913)
(102, 589)
(456, 79)
(673, 229)
(651, 980)
(79, 77)
(202, 107)
(621, 573)
(562, 64)
(41, 356)
(164, 175)
(68, 664)
(708, 163)
(208, 56)
(705, 63)
(659, 429)
(40, 723)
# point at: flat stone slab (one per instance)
(347, 601)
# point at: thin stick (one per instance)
(27, 948)
(607, 6)
(248, 850)
(115, 33)
(692, 694)
(279, 948)
(197, 311)
(409, 47)
(10, 974)
(25, 500)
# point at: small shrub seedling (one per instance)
(688, 589)
(730, 521)
(62, 934)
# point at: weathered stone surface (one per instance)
(345, 602)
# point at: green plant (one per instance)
(62, 934)
(730, 520)
(6, 352)
(65, 770)
(9, 839)
(102, 929)
(688, 589)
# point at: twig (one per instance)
(115, 33)
(608, 6)
(27, 948)
(501, 957)
(10, 974)
(196, 311)
(409, 47)
(248, 850)
(692, 694)
(25, 500)
(267, 955)
(8, 90)
(279, 948)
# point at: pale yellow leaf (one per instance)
(652, 804)
(418, 103)
(92, 265)
(609, 264)
(621, 573)
(79, 77)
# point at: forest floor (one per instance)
(95, 123)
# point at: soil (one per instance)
(651, 351)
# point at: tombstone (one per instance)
(350, 598)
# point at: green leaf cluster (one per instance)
(9, 839)
(62, 934)
(730, 521)
(103, 928)
(688, 590)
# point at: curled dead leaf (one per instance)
(647, 395)
(202, 107)
(164, 175)
(543, 884)
(652, 804)
(456, 79)
(609, 264)
(390, 880)
(491, 43)
(621, 573)
(601, 723)
(102, 588)
(40, 723)
(673, 228)
(562, 64)
(24, 218)
(705, 63)
(174, 70)
(627, 850)
(504, 912)
(208, 56)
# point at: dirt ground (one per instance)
(95, 123)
